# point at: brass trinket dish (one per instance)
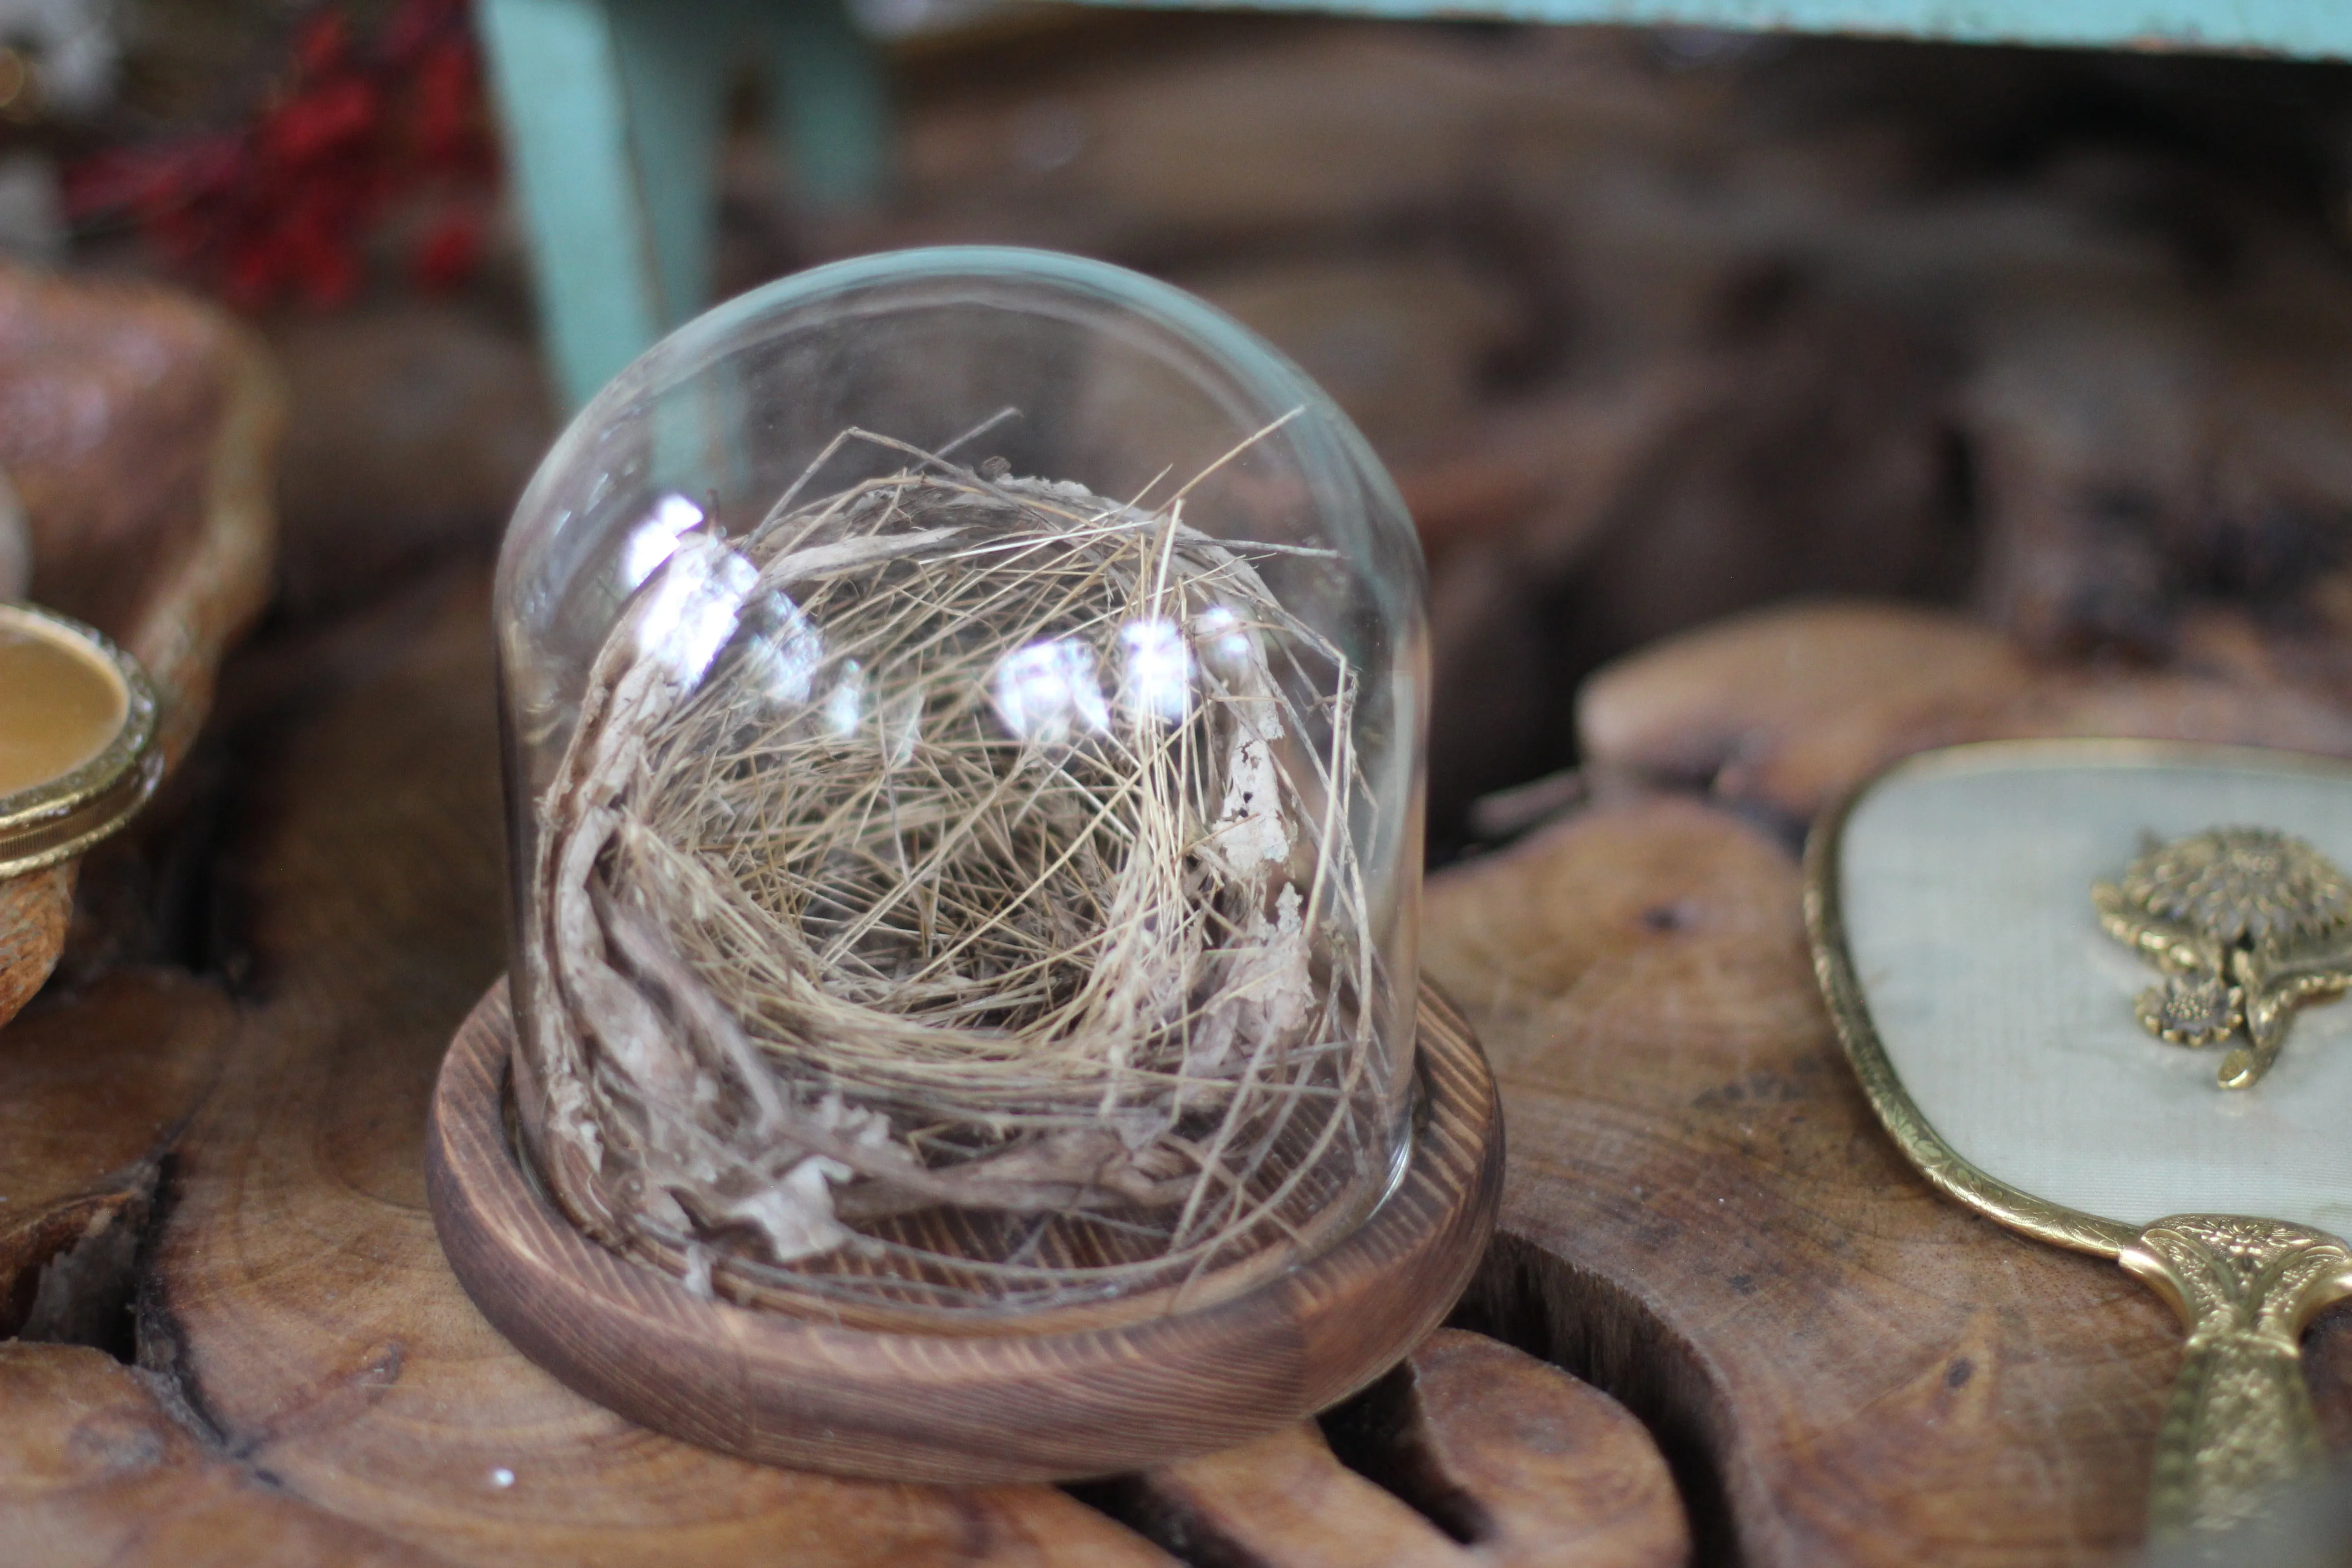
(78, 758)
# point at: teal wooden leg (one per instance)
(611, 111)
(555, 68)
(831, 100)
(674, 65)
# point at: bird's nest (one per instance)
(947, 900)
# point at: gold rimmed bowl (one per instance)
(78, 758)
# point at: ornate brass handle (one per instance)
(2241, 1420)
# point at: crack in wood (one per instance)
(1594, 1328)
(81, 1293)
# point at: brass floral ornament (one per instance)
(2248, 925)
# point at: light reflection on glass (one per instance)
(1046, 692)
(652, 540)
(1158, 681)
(1222, 632)
(902, 727)
(694, 609)
(846, 705)
(782, 657)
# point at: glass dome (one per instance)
(964, 713)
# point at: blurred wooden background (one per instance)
(1769, 407)
(1652, 327)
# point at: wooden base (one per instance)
(1056, 1404)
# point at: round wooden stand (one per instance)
(1055, 1402)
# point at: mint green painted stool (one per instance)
(612, 111)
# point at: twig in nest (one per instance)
(947, 896)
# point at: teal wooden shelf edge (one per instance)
(2318, 29)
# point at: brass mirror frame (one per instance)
(2239, 1424)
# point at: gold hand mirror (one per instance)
(2084, 985)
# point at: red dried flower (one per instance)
(284, 207)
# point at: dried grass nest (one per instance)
(946, 900)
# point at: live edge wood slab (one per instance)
(1699, 1213)
(297, 1376)
(1050, 1396)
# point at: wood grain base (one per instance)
(1053, 1404)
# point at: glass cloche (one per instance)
(964, 713)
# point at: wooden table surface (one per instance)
(241, 1344)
